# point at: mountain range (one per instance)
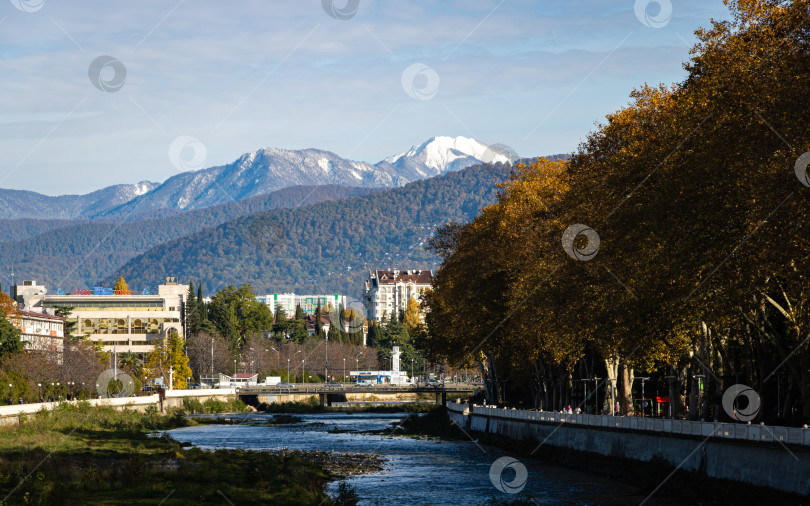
(257, 173)
(326, 247)
(280, 219)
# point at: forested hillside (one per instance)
(80, 255)
(325, 247)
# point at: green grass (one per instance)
(98, 455)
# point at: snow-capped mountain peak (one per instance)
(441, 154)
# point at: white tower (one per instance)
(395, 353)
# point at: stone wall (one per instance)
(758, 455)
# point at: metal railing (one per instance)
(739, 431)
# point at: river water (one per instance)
(417, 470)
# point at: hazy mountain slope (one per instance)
(323, 247)
(17, 230)
(80, 255)
(16, 204)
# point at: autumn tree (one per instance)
(121, 285)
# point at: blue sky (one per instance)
(238, 76)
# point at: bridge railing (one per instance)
(739, 431)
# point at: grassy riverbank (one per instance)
(98, 455)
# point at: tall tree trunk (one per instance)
(611, 396)
(626, 389)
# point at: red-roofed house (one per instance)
(42, 332)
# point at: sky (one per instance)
(103, 92)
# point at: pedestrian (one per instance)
(578, 410)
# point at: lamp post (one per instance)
(288, 369)
(278, 356)
(326, 363)
(40, 391)
(10, 397)
(344, 369)
(643, 381)
(303, 379)
(700, 377)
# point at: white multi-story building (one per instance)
(42, 332)
(122, 321)
(309, 303)
(387, 292)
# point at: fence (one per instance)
(747, 432)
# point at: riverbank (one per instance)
(655, 478)
(99, 455)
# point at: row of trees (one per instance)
(673, 246)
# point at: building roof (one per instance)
(244, 375)
(42, 315)
(419, 277)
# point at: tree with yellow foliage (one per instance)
(121, 285)
(412, 314)
(167, 358)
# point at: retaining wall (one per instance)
(10, 415)
(775, 457)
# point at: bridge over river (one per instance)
(322, 390)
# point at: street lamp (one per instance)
(40, 391)
(303, 379)
(700, 377)
(643, 400)
(344, 369)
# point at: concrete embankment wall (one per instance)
(10, 415)
(775, 457)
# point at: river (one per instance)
(417, 470)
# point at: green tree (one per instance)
(318, 325)
(70, 324)
(191, 311)
(10, 342)
(237, 313)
